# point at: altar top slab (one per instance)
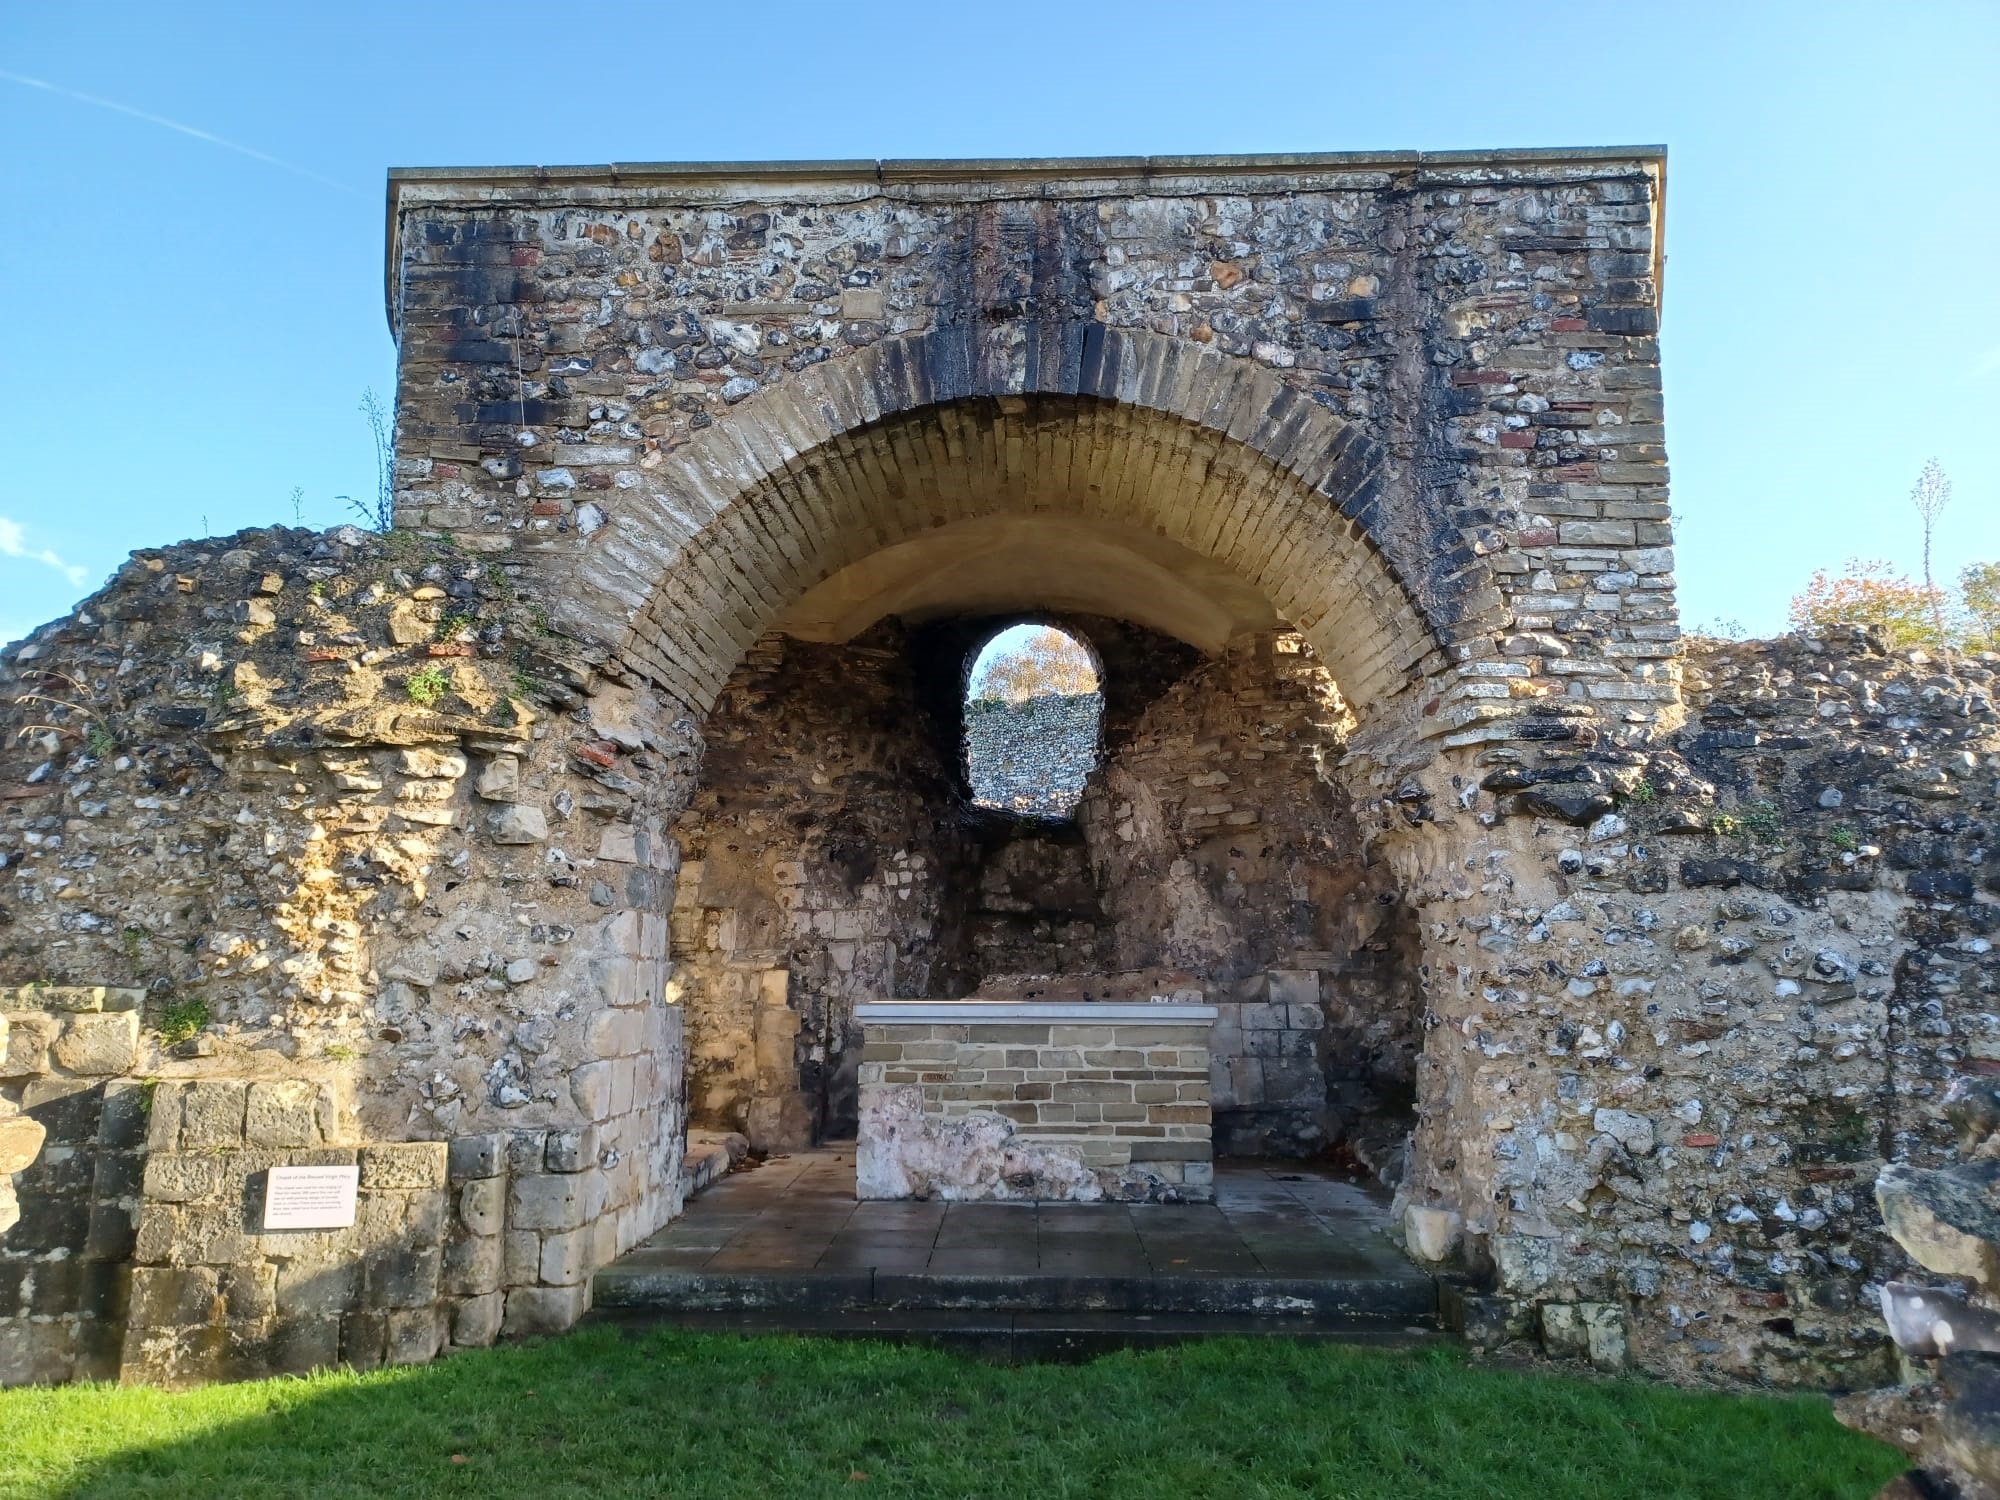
(959, 1012)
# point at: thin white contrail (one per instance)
(161, 120)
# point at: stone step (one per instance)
(787, 1247)
(708, 1157)
(1351, 1301)
(1023, 1336)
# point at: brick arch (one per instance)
(1155, 433)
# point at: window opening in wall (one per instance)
(1032, 705)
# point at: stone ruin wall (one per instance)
(1461, 349)
(402, 922)
(1228, 848)
(817, 852)
(1758, 960)
(1763, 954)
(1414, 401)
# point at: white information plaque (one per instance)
(310, 1197)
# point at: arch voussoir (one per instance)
(1213, 454)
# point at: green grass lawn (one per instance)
(601, 1413)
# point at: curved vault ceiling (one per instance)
(998, 563)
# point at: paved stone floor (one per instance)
(1285, 1251)
(797, 1213)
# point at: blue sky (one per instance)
(191, 318)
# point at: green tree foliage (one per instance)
(1979, 587)
(1908, 612)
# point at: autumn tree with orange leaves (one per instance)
(1909, 612)
(1871, 592)
(1046, 662)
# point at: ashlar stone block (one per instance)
(414, 1335)
(554, 1201)
(475, 1321)
(184, 1177)
(535, 1310)
(482, 1205)
(405, 1165)
(172, 1296)
(402, 1277)
(282, 1114)
(212, 1114)
(476, 1156)
(312, 1288)
(20, 1142)
(473, 1264)
(101, 1045)
(566, 1257)
(298, 1346)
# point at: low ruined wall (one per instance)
(214, 1295)
(453, 1243)
(1683, 995)
(72, 1131)
(1065, 1102)
(1689, 996)
(294, 811)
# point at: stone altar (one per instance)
(1072, 1101)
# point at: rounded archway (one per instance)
(1159, 481)
(812, 583)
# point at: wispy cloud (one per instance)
(1987, 364)
(165, 124)
(14, 543)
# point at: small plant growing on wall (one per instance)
(1759, 822)
(1763, 821)
(452, 621)
(378, 512)
(182, 1019)
(427, 685)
